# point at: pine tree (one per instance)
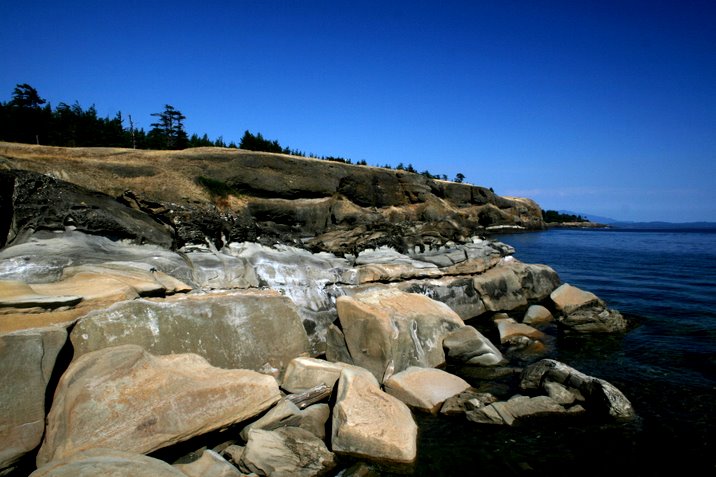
(168, 132)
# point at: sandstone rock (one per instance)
(303, 374)
(210, 464)
(594, 319)
(510, 412)
(283, 414)
(216, 270)
(538, 281)
(537, 315)
(456, 292)
(559, 393)
(126, 399)
(288, 451)
(424, 388)
(387, 326)
(599, 394)
(27, 359)
(467, 400)
(568, 298)
(107, 463)
(387, 265)
(336, 347)
(511, 331)
(233, 453)
(252, 329)
(16, 295)
(469, 346)
(368, 423)
(314, 419)
(33, 201)
(500, 288)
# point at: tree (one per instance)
(459, 178)
(168, 132)
(24, 118)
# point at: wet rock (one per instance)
(469, 346)
(127, 399)
(467, 400)
(27, 359)
(288, 452)
(514, 410)
(424, 388)
(389, 326)
(107, 462)
(599, 394)
(251, 329)
(369, 423)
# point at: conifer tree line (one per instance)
(28, 118)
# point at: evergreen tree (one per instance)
(168, 132)
(459, 178)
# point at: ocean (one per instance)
(664, 282)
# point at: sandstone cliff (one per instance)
(222, 195)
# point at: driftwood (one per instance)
(311, 396)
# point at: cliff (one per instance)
(223, 195)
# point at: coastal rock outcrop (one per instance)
(127, 399)
(583, 312)
(425, 389)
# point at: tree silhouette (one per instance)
(459, 178)
(168, 132)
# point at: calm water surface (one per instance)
(665, 284)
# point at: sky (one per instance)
(598, 107)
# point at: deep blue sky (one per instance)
(602, 107)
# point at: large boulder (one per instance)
(368, 423)
(32, 201)
(390, 328)
(107, 463)
(250, 329)
(469, 346)
(583, 312)
(601, 396)
(303, 374)
(286, 452)
(27, 359)
(126, 399)
(568, 298)
(516, 409)
(210, 464)
(500, 288)
(425, 389)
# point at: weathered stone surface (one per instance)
(107, 463)
(216, 270)
(126, 399)
(286, 452)
(314, 419)
(594, 319)
(336, 347)
(303, 374)
(568, 298)
(465, 401)
(537, 315)
(285, 413)
(470, 258)
(369, 423)
(389, 326)
(538, 281)
(599, 394)
(500, 288)
(559, 392)
(511, 331)
(456, 292)
(210, 464)
(424, 388)
(27, 359)
(387, 265)
(469, 346)
(16, 295)
(249, 329)
(33, 201)
(510, 412)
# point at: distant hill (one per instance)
(625, 224)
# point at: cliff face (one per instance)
(223, 195)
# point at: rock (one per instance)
(109, 463)
(336, 347)
(303, 374)
(467, 400)
(210, 464)
(599, 394)
(456, 292)
(369, 423)
(424, 388)
(387, 265)
(216, 270)
(283, 414)
(469, 346)
(594, 319)
(500, 288)
(288, 451)
(33, 201)
(16, 295)
(314, 419)
(514, 410)
(559, 393)
(538, 281)
(251, 329)
(387, 326)
(126, 399)
(27, 359)
(471, 258)
(537, 315)
(511, 331)
(233, 453)
(568, 298)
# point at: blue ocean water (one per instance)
(664, 282)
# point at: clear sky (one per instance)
(602, 107)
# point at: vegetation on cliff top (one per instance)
(552, 216)
(28, 118)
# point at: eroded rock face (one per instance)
(251, 329)
(107, 462)
(27, 359)
(391, 328)
(368, 423)
(127, 399)
(303, 374)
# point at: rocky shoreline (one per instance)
(127, 352)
